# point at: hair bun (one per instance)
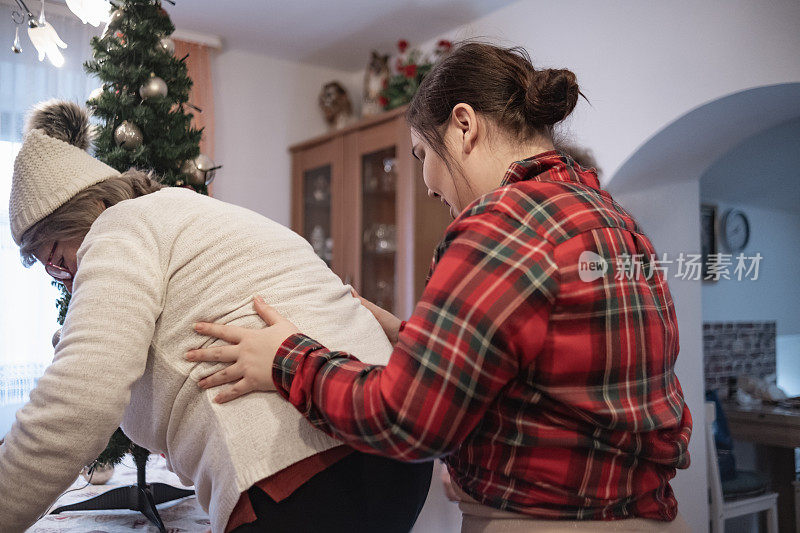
(551, 96)
(63, 120)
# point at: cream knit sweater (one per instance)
(148, 269)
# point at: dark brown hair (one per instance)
(74, 219)
(499, 83)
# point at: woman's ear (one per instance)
(465, 121)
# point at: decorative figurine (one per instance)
(376, 80)
(335, 105)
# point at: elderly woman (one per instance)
(143, 264)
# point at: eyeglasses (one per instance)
(58, 273)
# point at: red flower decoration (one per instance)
(445, 45)
(383, 101)
(402, 44)
(410, 70)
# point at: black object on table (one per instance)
(142, 497)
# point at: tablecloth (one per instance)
(183, 515)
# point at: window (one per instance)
(27, 299)
(27, 310)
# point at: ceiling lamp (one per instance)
(47, 43)
(44, 36)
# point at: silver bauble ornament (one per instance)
(193, 176)
(154, 86)
(128, 135)
(100, 474)
(115, 19)
(200, 170)
(96, 94)
(56, 337)
(206, 165)
(167, 45)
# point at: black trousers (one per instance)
(361, 493)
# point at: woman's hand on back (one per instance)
(250, 352)
(389, 322)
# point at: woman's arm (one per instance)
(491, 290)
(492, 283)
(389, 323)
(80, 400)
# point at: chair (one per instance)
(722, 508)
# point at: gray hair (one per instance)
(74, 219)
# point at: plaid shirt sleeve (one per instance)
(482, 316)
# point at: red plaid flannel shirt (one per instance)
(545, 394)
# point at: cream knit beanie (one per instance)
(52, 165)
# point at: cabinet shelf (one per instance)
(317, 204)
(379, 253)
(348, 161)
(380, 194)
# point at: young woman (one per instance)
(143, 263)
(549, 389)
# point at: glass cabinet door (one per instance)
(359, 198)
(379, 227)
(317, 225)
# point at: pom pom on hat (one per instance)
(62, 120)
(52, 165)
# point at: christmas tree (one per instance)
(143, 120)
(142, 102)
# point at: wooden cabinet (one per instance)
(358, 197)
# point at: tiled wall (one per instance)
(731, 349)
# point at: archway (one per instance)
(684, 149)
(660, 185)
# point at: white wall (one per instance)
(669, 216)
(262, 105)
(775, 295)
(763, 170)
(642, 64)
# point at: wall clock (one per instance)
(735, 230)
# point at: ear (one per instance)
(464, 119)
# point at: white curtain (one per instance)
(27, 299)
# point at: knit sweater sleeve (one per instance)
(80, 400)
